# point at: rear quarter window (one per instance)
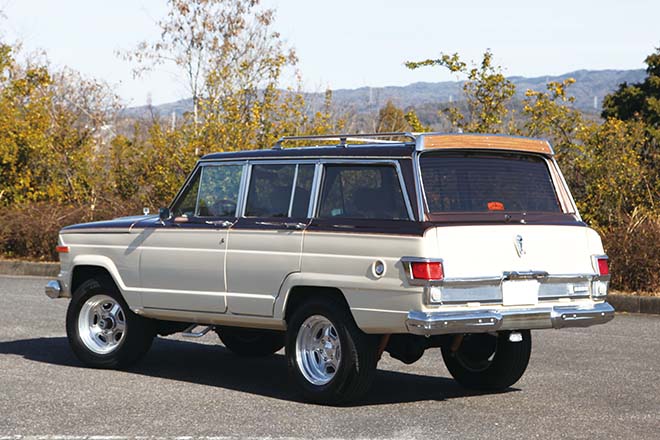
(362, 191)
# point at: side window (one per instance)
(269, 194)
(218, 191)
(362, 191)
(186, 204)
(212, 192)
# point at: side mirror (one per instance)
(164, 214)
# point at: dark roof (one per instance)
(366, 150)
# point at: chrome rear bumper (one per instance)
(53, 289)
(483, 321)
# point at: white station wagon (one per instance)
(339, 252)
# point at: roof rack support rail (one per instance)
(343, 138)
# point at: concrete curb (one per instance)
(16, 267)
(635, 303)
(622, 303)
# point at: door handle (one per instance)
(220, 223)
(297, 225)
(269, 223)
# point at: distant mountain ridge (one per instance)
(590, 87)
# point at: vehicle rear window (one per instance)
(486, 182)
(356, 191)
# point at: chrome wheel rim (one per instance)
(102, 324)
(318, 350)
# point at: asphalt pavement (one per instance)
(601, 382)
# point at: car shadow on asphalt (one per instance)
(214, 365)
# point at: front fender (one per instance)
(132, 298)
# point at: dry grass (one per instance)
(633, 246)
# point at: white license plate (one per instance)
(520, 293)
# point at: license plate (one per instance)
(520, 293)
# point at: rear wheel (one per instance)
(102, 331)
(330, 359)
(487, 361)
(251, 342)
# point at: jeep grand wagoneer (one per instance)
(341, 251)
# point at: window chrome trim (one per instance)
(199, 191)
(315, 190)
(419, 188)
(566, 189)
(360, 162)
(315, 193)
(311, 158)
(242, 192)
(294, 183)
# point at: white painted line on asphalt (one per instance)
(41, 277)
(117, 437)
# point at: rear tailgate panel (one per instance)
(477, 260)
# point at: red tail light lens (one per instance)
(427, 270)
(603, 266)
(62, 249)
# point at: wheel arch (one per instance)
(298, 294)
(83, 272)
(85, 267)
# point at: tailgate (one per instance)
(544, 261)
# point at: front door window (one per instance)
(212, 192)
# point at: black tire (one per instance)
(357, 363)
(251, 342)
(488, 362)
(132, 342)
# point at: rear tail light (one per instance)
(600, 285)
(62, 249)
(603, 266)
(427, 270)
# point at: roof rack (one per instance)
(344, 138)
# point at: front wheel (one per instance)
(485, 361)
(330, 359)
(102, 331)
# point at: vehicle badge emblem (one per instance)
(518, 241)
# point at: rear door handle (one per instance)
(220, 223)
(297, 225)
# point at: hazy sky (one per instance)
(354, 43)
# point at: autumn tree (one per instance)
(233, 61)
(53, 125)
(391, 119)
(487, 92)
(414, 122)
(639, 100)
